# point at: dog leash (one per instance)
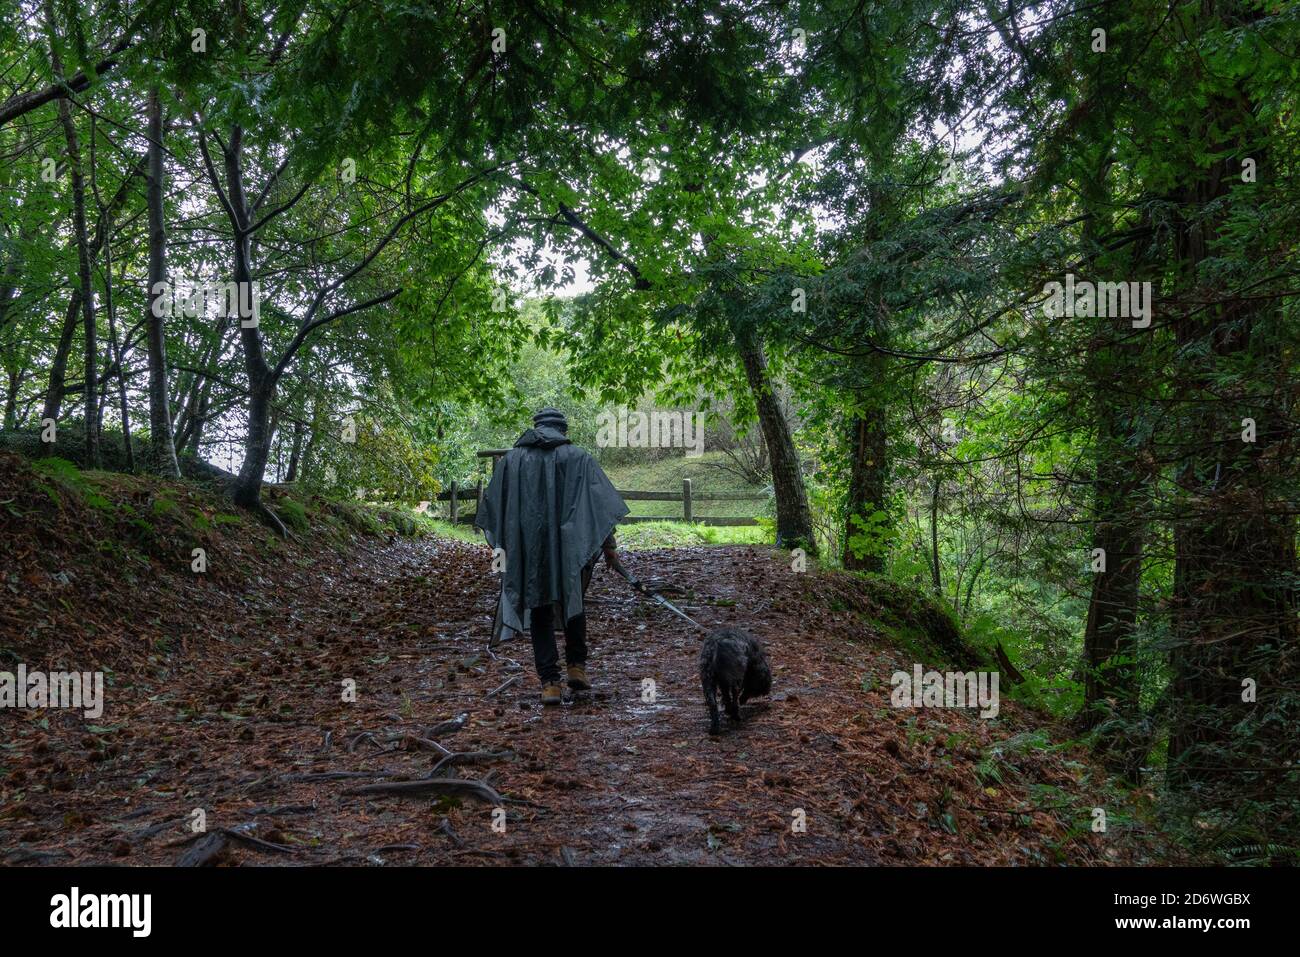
(665, 602)
(493, 640)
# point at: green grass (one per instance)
(405, 520)
(631, 537)
(666, 474)
(444, 529)
(677, 534)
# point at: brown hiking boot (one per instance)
(552, 693)
(578, 678)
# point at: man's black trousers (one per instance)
(545, 654)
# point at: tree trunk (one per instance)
(793, 518)
(935, 581)
(1115, 373)
(257, 445)
(1235, 557)
(59, 367)
(318, 424)
(161, 455)
(9, 290)
(82, 238)
(193, 417)
(295, 454)
(1110, 683)
(198, 420)
(118, 354)
(868, 428)
(868, 474)
(247, 490)
(11, 400)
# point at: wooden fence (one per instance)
(457, 495)
(688, 497)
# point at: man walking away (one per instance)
(552, 511)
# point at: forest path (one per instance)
(250, 727)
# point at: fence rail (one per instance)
(455, 495)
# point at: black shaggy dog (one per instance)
(733, 663)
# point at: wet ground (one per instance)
(243, 725)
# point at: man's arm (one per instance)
(610, 550)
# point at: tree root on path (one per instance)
(270, 519)
(22, 854)
(204, 851)
(406, 739)
(456, 787)
(470, 757)
(414, 741)
(208, 845)
(449, 726)
(351, 744)
(238, 835)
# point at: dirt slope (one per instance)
(226, 696)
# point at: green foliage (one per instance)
(66, 477)
(163, 506)
(293, 514)
(873, 535)
(384, 462)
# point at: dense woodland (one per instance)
(833, 226)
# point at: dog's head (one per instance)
(758, 674)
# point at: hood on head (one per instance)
(542, 436)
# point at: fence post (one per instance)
(686, 499)
(453, 503)
(478, 497)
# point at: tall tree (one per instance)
(161, 453)
(85, 293)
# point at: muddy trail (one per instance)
(225, 707)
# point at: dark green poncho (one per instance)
(549, 507)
